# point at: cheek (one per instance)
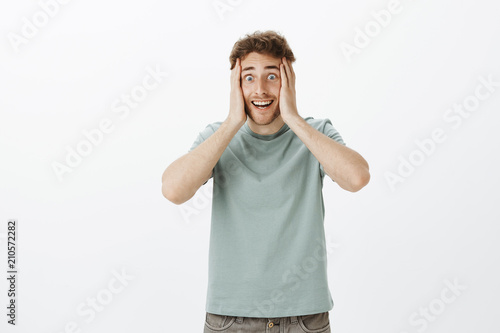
(276, 86)
(276, 91)
(246, 93)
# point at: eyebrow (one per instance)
(253, 68)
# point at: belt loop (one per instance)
(293, 320)
(239, 320)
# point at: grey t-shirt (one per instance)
(267, 254)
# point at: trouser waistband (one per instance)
(293, 320)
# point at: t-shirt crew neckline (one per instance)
(267, 137)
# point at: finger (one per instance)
(284, 78)
(235, 73)
(239, 72)
(289, 76)
(290, 73)
(293, 73)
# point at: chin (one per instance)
(262, 119)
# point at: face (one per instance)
(261, 83)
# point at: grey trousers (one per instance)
(313, 323)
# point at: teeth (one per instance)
(261, 103)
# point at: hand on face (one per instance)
(237, 114)
(288, 104)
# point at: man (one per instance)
(267, 256)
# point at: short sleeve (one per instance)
(328, 129)
(202, 136)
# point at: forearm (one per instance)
(186, 175)
(344, 165)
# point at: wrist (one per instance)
(291, 118)
(234, 124)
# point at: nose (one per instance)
(260, 86)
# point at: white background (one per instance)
(395, 246)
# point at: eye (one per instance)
(249, 78)
(272, 76)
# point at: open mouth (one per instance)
(262, 105)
